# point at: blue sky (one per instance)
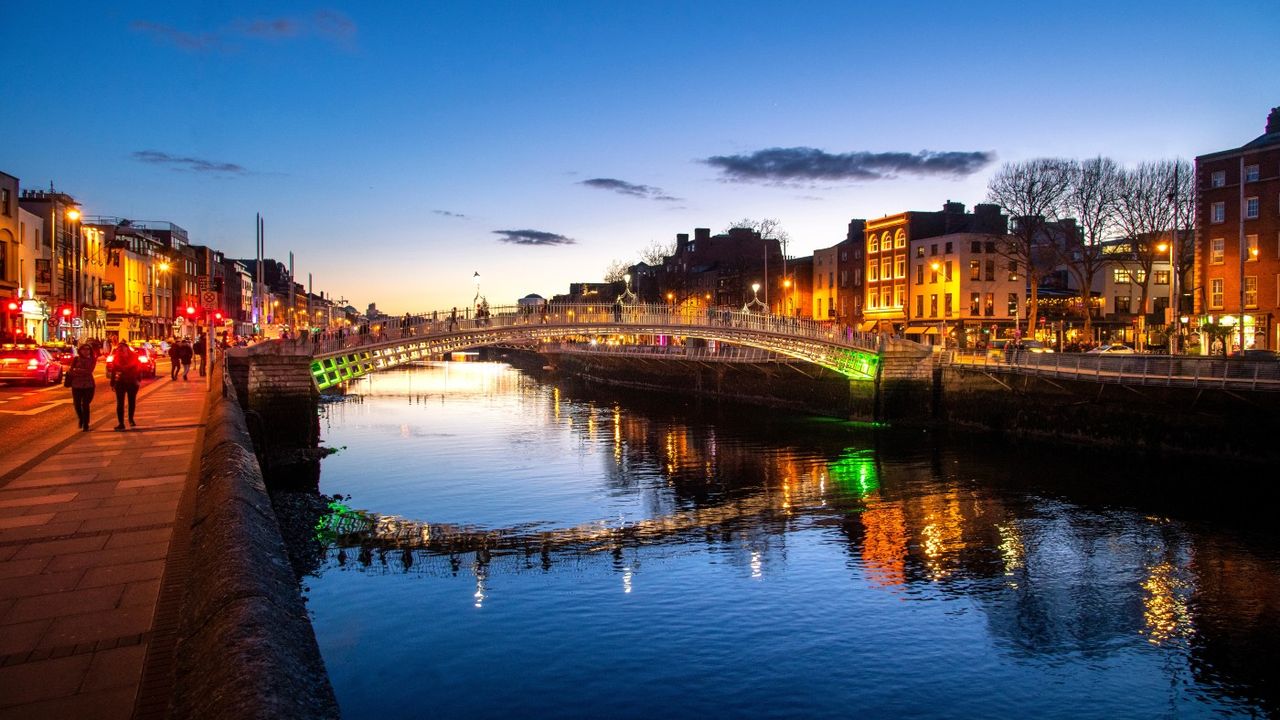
(388, 143)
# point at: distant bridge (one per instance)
(396, 341)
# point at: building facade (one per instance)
(1236, 290)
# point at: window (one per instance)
(844, 278)
(884, 297)
(900, 266)
(989, 305)
(886, 268)
(873, 300)
(1140, 276)
(991, 270)
(920, 251)
(1250, 208)
(948, 276)
(975, 304)
(948, 249)
(857, 276)
(1122, 303)
(1251, 173)
(831, 279)
(885, 243)
(1216, 248)
(1251, 245)
(1013, 304)
(873, 272)
(1121, 277)
(1013, 270)
(1218, 178)
(844, 256)
(1215, 293)
(919, 306)
(975, 247)
(4, 201)
(1218, 212)
(933, 275)
(898, 293)
(1162, 277)
(975, 270)
(900, 240)
(933, 249)
(933, 306)
(947, 304)
(919, 274)
(1251, 291)
(874, 244)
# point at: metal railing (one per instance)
(609, 318)
(1151, 370)
(731, 353)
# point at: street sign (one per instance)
(202, 282)
(208, 299)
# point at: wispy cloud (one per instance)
(191, 42)
(191, 164)
(623, 187)
(448, 214)
(328, 25)
(804, 164)
(532, 237)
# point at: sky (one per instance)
(398, 148)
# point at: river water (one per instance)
(534, 550)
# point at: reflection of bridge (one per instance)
(396, 341)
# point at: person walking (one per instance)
(175, 358)
(186, 358)
(80, 380)
(199, 349)
(126, 375)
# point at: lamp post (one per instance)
(73, 217)
(942, 319)
(786, 294)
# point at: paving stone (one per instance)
(115, 668)
(42, 584)
(19, 568)
(124, 539)
(6, 502)
(122, 574)
(127, 521)
(35, 681)
(63, 604)
(114, 704)
(49, 548)
(25, 521)
(113, 556)
(22, 637)
(89, 627)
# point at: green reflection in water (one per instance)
(855, 470)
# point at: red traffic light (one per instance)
(67, 312)
(191, 309)
(13, 305)
(217, 316)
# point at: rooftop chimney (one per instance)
(1273, 120)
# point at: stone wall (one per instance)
(245, 646)
(280, 400)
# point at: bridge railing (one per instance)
(608, 315)
(669, 352)
(1166, 370)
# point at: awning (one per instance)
(869, 325)
(915, 330)
(931, 331)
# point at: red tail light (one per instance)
(32, 364)
(111, 357)
(144, 359)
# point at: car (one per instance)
(1112, 349)
(62, 353)
(1033, 346)
(29, 364)
(146, 360)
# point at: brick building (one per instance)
(1237, 259)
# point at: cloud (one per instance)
(803, 164)
(446, 213)
(193, 42)
(532, 237)
(329, 25)
(623, 187)
(175, 162)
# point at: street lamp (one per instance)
(786, 285)
(755, 300)
(942, 318)
(73, 217)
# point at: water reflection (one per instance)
(1055, 579)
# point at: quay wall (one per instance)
(1150, 421)
(246, 648)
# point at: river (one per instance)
(533, 549)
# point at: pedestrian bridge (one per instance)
(396, 341)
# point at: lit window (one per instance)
(975, 303)
(900, 240)
(1122, 303)
(1217, 246)
(975, 270)
(989, 305)
(1121, 277)
(898, 293)
(1215, 293)
(1013, 270)
(874, 244)
(1251, 248)
(1251, 291)
(933, 306)
(1218, 212)
(1162, 277)
(900, 266)
(1013, 304)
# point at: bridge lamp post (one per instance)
(786, 285)
(942, 318)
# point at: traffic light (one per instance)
(13, 306)
(67, 311)
(191, 311)
(218, 316)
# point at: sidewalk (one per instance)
(89, 529)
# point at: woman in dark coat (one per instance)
(80, 378)
(126, 376)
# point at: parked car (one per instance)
(62, 352)
(1033, 346)
(1112, 349)
(146, 360)
(29, 364)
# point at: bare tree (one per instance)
(614, 271)
(656, 253)
(1144, 214)
(1092, 199)
(1033, 193)
(1183, 196)
(769, 228)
